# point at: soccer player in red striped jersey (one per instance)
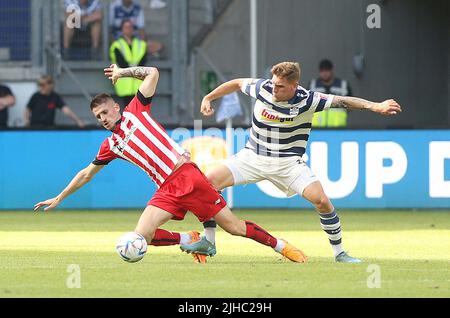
(139, 139)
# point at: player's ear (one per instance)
(117, 107)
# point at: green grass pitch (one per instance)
(412, 250)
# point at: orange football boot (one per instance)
(195, 237)
(292, 253)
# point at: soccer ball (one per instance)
(131, 247)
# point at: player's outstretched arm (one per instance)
(149, 76)
(388, 107)
(222, 90)
(82, 177)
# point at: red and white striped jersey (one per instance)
(139, 139)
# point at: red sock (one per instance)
(165, 238)
(259, 235)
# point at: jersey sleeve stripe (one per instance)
(253, 91)
(329, 101)
(321, 105)
(258, 87)
(247, 89)
(144, 100)
(97, 162)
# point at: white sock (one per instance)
(337, 249)
(280, 245)
(210, 234)
(210, 230)
(185, 238)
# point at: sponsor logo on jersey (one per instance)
(266, 115)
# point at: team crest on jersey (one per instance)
(293, 111)
(122, 144)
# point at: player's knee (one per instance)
(322, 203)
(214, 179)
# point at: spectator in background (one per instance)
(91, 16)
(40, 110)
(327, 83)
(122, 10)
(128, 50)
(7, 99)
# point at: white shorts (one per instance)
(291, 175)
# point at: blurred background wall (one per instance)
(406, 59)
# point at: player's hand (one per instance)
(388, 108)
(113, 73)
(50, 203)
(206, 108)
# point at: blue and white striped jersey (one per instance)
(281, 129)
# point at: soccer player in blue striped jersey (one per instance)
(278, 138)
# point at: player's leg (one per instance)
(205, 202)
(329, 220)
(221, 178)
(210, 230)
(233, 225)
(148, 226)
(240, 169)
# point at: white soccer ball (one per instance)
(131, 247)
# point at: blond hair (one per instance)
(287, 70)
(46, 78)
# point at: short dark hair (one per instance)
(100, 99)
(126, 21)
(325, 65)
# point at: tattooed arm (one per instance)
(149, 76)
(388, 107)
